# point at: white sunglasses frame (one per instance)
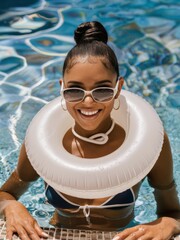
(115, 89)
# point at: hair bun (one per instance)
(89, 32)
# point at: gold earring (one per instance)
(62, 105)
(117, 105)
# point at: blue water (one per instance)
(34, 39)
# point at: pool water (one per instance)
(34, 39)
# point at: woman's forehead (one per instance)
(94, 62)
(89, 68)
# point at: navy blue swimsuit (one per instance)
(59, 201)
(123, 199)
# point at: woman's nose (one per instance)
(88, 98)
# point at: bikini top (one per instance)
(120, 200)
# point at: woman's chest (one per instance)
(61, 200)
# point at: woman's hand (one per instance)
(19, 220)
(161, 229)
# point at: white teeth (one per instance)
(89, 113)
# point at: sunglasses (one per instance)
(100, 94)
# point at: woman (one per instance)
(92, 65)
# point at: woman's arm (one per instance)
(19, 180)
(168, 207)
(18, 219)
(162, 180)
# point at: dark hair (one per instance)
(91, 40)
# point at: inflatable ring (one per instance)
(108, 175)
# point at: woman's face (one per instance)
(90, 116)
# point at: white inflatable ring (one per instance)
(104, 176)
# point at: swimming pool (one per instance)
(34, 38)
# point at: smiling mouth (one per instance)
(89, 113)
